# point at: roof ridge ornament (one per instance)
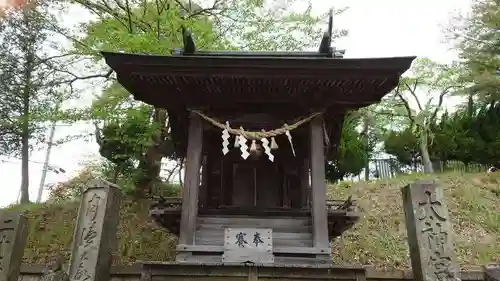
(325, 46)
(189, 47)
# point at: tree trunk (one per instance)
(424, 151)
(364, 134)
(150, 165)
(25, 149)
(29, 55)
(25, 180)
(181, 164)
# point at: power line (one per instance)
(52, 168)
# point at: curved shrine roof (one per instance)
(312, 82)
(286, 84)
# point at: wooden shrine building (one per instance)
(256, 129)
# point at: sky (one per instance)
(382, 28)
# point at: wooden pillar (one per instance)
(191, 181)
(429, 232)
(318, 185)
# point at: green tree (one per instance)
(422, 93)
(403, 145)
(466, 140)
(478, 43)
(353, 152)
(30, 88)
(469, 135)
(444, 144)
(377, 121)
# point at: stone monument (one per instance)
(430, 234)
(94, 239)
(13, 235)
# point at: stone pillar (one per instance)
(13, 235)
(492, 273)
(430, 235)
(95, 235)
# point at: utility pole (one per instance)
(46, 163)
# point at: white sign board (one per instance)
(248, 245)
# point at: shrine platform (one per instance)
(159, 271)
(341, 215)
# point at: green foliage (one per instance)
(479, 45)
(422, 93)
(154, 28)
(31, 89)
(72, 189)
(444, 144)
(25, 94)
(352, 154)
(470, 135)
(123, 143)
(403, 145)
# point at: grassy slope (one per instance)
(379, 239)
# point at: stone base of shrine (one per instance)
(156, 271)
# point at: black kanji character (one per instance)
(240, 239)
(257, 240)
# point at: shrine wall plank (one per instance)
(287, 231)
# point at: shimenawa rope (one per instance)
(257, 135)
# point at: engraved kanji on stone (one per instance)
(429, 233)
(93, 206)
(4, 241)
(430, 208)
(13, 236)
(95, 232)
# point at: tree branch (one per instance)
(440, 102)
(406, 104)
(414, 94)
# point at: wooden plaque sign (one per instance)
(248, 245)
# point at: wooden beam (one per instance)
(191, 181)
(281, 250)
(318, 186)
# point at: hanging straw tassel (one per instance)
(236, 141)
(253, 147)
(274, 145)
